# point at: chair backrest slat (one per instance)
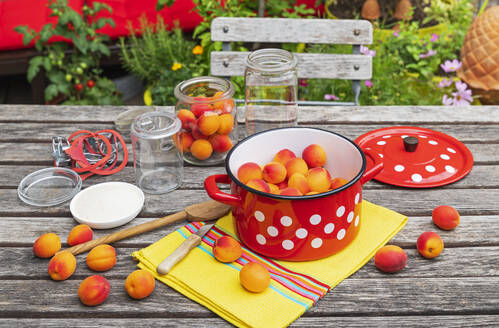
(325, 66)
(291, 30)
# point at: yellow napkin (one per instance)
(295, 286)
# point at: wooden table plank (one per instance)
(307, 114)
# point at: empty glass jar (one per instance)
(157, 154)
(209, 126)
(271, 85)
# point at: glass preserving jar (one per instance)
(271, 85)
(157, 155)
(209, 124)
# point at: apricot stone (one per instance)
(94, 290)
(296, 165)
(299, 181)
(208, 123)
(101, 258)
(283, 156)
(249, 171)
(201, 149)
(390, 258)
(259, 184)
(47, 245)
(314, 155)
(254, 277)
(80, 234)
(62, 266)
(274, 172)
(429, 244)
(139, 284)
(445, 217)
(318, 179)
(221, 143)
(226, 124)
(226, 249)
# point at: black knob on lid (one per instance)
(410, 144)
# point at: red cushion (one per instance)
(33, 13)
(130, 11)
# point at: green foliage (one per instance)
(72, 69)
(155, 57)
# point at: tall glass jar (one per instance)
(209, 125)
(271, 85)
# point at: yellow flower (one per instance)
(197, 50)
(176, 66)
(147, 97)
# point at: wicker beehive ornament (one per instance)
(480, 57)
(370, 10)
(403, 10)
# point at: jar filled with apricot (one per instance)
(209, 126)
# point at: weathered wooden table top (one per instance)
(459, 288)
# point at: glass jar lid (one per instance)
(50, 186)
(156, 125)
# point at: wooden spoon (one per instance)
(204, 211)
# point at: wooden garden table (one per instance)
(459, 288)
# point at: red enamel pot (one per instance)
(296, 228)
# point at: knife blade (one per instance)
(181, 251)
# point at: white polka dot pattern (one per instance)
(316, 243)
(381, 143)
(340, 211)
(450, 150)
(329, 228)
(357, 198)
(450, 169)
(430, 168)
(301, 233)
(261, 239)
(272, 231)
(399, 168)
(356, 221)
(433, 142)
(350, 217)
(286, 221)
(416, 177)
(315, 219)
(288, 244)
(341, 234)
(259, 216)
(445, 157)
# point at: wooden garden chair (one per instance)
(355, 67)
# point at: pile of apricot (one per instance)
(206, 126)
(94, 289)
(290, 175)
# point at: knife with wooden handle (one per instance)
(180, 252)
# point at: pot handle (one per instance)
(373, 171)
(210, 184)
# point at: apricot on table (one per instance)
(226, 249)
(274, 172)
(139, 284)
(254, 277)
(47, 245)
(94, 290)
(249, 171)
(429, 244)
(101, 257)
(62, 265)
(445, 217)
(80, 234)
(296, 165)
(314, 155)
(201, 149)
(283, 156)
(390, 258)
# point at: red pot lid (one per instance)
(417, 157)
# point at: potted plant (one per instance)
(70, 52)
